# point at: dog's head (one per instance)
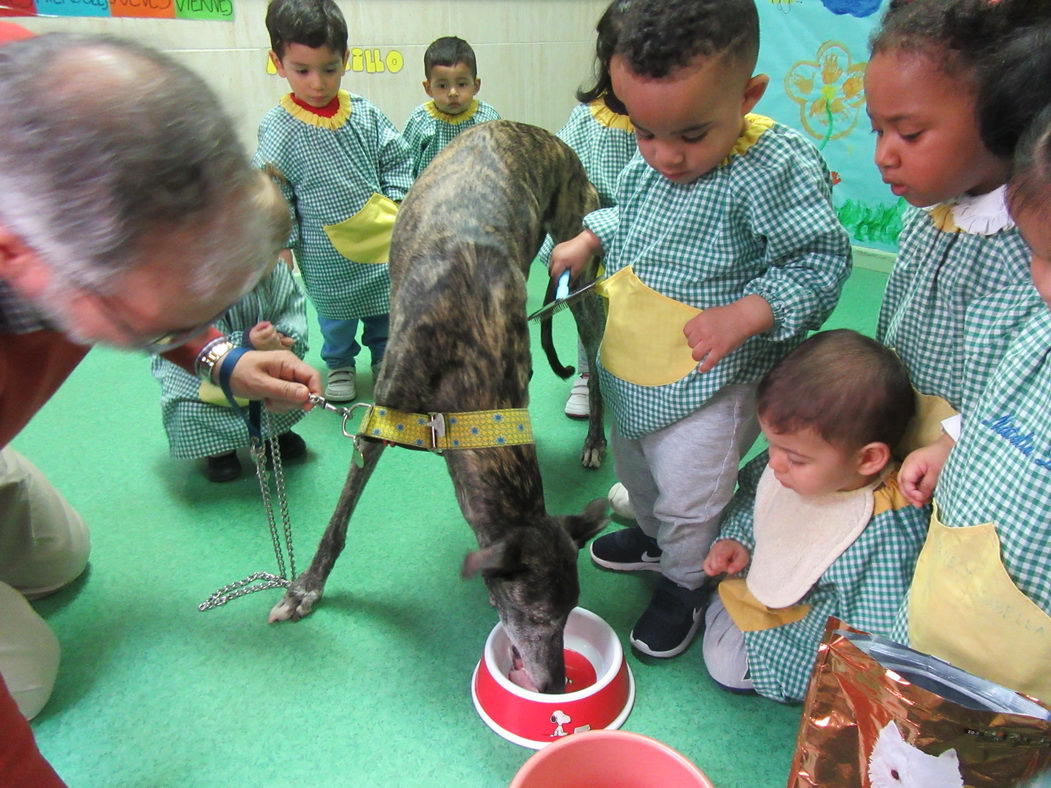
(532, 579)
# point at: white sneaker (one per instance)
(578, 406)
(620, 502)
(342, 384)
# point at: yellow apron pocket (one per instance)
(926, 425)
(643, 342)
(751, 615)
(365, 236)
(211, 394)
(964, 608)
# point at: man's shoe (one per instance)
(222, 467)
(670, 621)
(342, 385)
(627, 550)
(620, 502)
(578, 406)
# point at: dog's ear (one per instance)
(499, 559)
(582, 527)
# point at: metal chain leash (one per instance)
(262, 581)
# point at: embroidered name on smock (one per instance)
(1024, 442)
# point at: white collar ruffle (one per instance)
(983, 214)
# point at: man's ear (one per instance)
(753, 91)
(873, 458)
(277, 64)
(20, 266)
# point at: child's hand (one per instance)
(264, 336)
(726, 555)
(720, 330)
(285, 256)
(920, 471)
(574, 254)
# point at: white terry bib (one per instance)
(797, 538)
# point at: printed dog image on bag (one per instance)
(894, 763)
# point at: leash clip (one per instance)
(437, 425)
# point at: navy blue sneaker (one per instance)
(627, 550)
(670, 621)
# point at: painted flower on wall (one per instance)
(829, 90)
(857, 8)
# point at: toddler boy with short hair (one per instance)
(819, 521)
(452, 83)
(724, 248)
(343, 167)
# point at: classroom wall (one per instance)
(532, 54)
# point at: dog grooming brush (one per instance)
(563, 297)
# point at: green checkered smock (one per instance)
(943, 281)
(761, 223)
(198, 429)
(864, 586)
(331, 174)
(428, 130)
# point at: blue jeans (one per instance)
(340, 349)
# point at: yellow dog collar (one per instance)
(481, 429)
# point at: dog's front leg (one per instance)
(306, 589)
(590, 315)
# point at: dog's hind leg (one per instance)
(590, 315)
(306, 589)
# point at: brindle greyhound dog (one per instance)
(461, 248)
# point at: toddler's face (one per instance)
(452, 87)
(806, 463)
(686, 123)
(313, 73)
(928, 148)
(1032, 223)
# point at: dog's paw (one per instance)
(294, 605)
(591, 457)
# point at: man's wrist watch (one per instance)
(210, 355)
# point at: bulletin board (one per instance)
(815, 53)
(221, 10)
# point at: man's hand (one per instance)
(920, 471)
(574, 254)
(726, 555)
(277, 377)
(720, 330)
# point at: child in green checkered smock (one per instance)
(600, 132)
(343, 167)
(961, 260)
(818, 526)
(722, 252)
(452, 82)
(197, 419)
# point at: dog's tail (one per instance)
(546, 339)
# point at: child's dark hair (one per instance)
(956, 35)
(448, 51)
(312, 23)
(608, 29)
(1030, 184)
(1014, 84)
(658, 37)
(849, 388)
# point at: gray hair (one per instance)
(109, 147)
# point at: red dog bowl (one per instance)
(606, 758)
(594, 662)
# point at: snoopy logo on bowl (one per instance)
(560, 718)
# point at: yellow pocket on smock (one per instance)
(211, 394)
(644, 342)
(365, 236)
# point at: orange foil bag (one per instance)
(879, 714)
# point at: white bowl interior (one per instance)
(585, 633)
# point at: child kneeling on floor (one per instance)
(818, 522)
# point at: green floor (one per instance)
(372, 689)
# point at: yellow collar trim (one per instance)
(481, 429)
(313, 119)
(755, 127)
(466, 115)
(604, 116)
